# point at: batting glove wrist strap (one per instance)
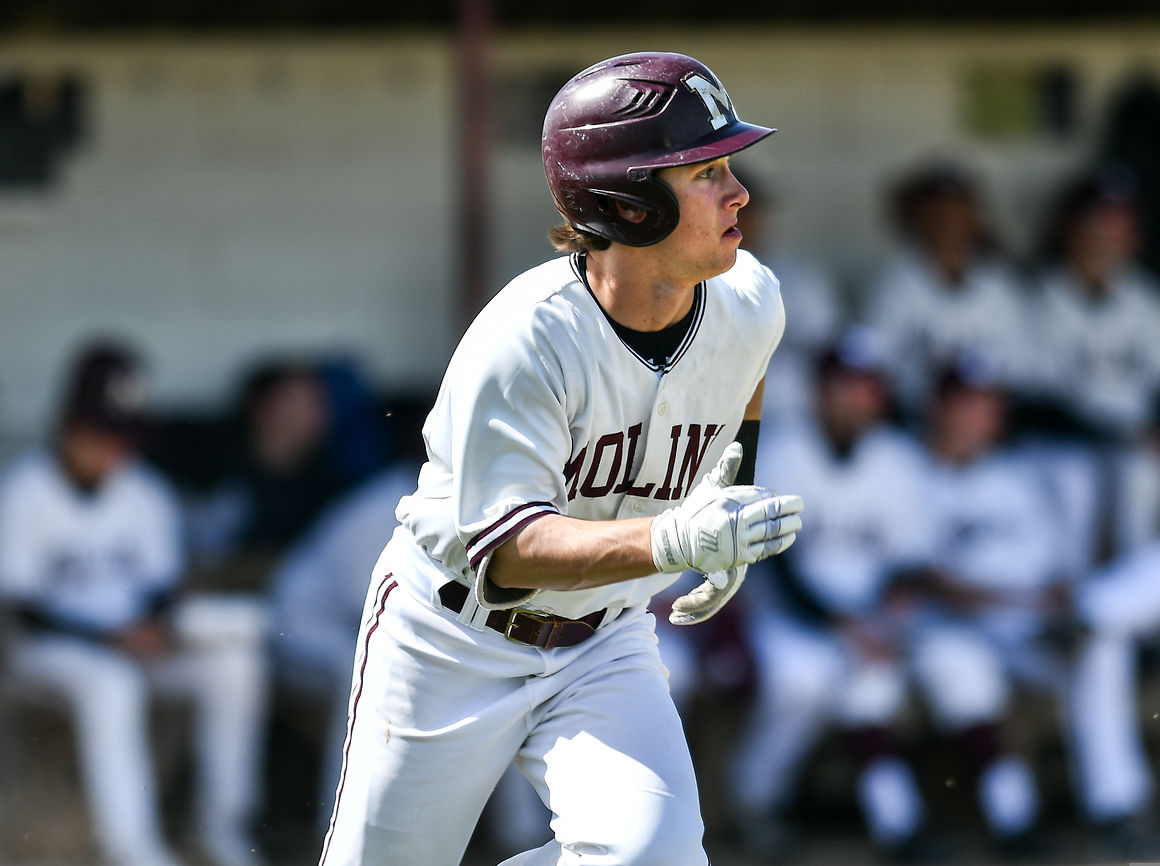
(720, 526)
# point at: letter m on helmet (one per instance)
(715, 98)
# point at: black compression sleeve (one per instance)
(747, 436)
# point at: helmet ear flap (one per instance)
(655, 202)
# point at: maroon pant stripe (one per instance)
(354, 711)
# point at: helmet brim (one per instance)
(735, 137)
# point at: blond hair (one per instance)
(569, 239)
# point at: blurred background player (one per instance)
(1098, 317)
(275, 480)
(992, 587)
(947, 288)
(1119, 608)
(1099, 313)
(823, 640)
(91, 561)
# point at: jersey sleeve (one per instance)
(18, 561)
(510, 441)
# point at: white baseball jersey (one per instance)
(544, 409)
(993, 524)
(866, 510)
(924, 322)
(1102, 356)
(93, 561)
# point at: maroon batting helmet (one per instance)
(615, 124)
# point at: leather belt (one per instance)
(528, 627)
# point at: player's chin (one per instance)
(728, 258)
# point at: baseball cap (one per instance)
(856, 350)
(106, 390)
(969, 370)
(1111, 184)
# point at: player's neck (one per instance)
(634, 289)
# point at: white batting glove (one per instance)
(720, 525)
(708, 598)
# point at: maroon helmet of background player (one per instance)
(612, 126)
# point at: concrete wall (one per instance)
(237, 198)
(241, 194)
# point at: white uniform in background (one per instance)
(543, 410)
(994, 527)
(808, 673)
(1121, 605)
(924, 322)
(1101, 357)
(90, 564)
(1136, 519)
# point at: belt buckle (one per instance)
(539, 616)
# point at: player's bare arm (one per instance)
(718, 527)
(563, 553)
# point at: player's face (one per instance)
(971, 420)
(850, 401)
(705, 241)
(1101, 241)
(92, 454)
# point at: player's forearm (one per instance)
(565, 553)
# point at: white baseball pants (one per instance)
(439, 709)
(107, 693)
(1122, 604)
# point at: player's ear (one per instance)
(630, 212)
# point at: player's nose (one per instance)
(738, 194)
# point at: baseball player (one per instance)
(1099, 312)
(945, 291)
(90, 558)
(1098, 315)
(995, 583)
(822, 637)
(580, 455)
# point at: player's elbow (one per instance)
(508, 570)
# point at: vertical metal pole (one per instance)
(474, 151)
